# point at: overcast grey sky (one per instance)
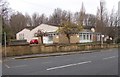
(48, 6)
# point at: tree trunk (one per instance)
(41, 39)
(68, 36)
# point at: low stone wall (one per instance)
(37, 49)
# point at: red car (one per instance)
(34, 41)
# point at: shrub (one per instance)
(117, 40)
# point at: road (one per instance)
(104, 62)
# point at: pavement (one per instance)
(97, 63)
(55, 54)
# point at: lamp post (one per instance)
(93, 29)
(57, 36)
(102, 36)
(102, 39)
(110, 38)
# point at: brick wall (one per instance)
(37, 49)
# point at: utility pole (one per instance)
(1, 44)
(118, 13)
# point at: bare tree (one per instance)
(28, 20)
(43, 19)
(4, 13)
(68, 27)
(40, 34)
(55, 18)
(111, 29)
(89, 20)
(101, 18)
(35, 19)
(4, 9)
(38, 19)
(76, 17)
(17, 22)
(80, 17)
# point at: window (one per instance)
(80, 36)
(90, 37)
(21, 36)
(50, 38)
(87, 36)
(84, 37)
(35, 34)
(98, 37)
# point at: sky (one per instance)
(47, 6)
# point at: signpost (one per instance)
(5, 43)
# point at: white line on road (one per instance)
(109, 57)
(7, 66)
(14, 66)
(45, 62)
(19, 66)
(68, 65)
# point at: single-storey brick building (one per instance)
(83, 36)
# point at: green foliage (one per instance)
(69, 28)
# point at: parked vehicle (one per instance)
(34, 41)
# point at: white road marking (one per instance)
(45, 62)
(19, 66)
(14, 66)
(68, 65)
(109, 57)
(7, 66)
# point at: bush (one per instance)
(108, 41)
(117, 40)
